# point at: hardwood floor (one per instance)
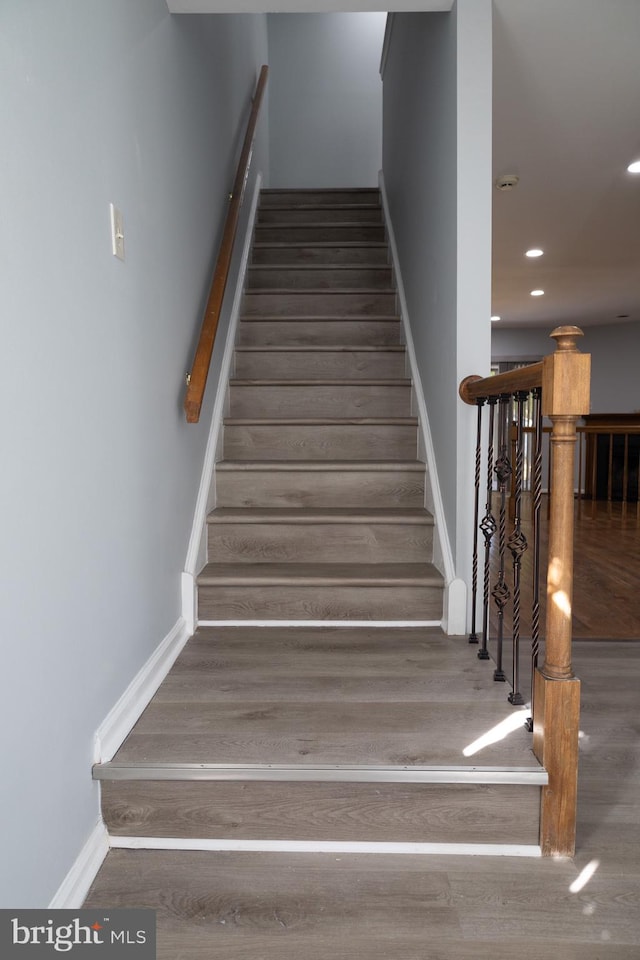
(228, 906)
(606, 598)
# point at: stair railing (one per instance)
(560, 385)
(197, 378)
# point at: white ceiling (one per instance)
(304, 6)
(567, 122)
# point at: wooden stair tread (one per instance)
(323, 317)
(375, 218)
(285, 191)
(323, 465)
(327, 574)
(279, 244)
(364, 697)
(364, 382)
(324, 291)
(323, 348)
(320, 515)
(322, 206)
(318, 226)
(323, 734)
(312, 267)
(322, 421)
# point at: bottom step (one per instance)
(316, 811)
(322, 591)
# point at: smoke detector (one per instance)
(507, 181)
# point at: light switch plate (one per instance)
(117, 232)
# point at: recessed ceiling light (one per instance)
(537, 293)
(534, 252)
(493, 319)
(507, 182)
(634, 167)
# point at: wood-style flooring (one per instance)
(312, 698)
(606, 594)
(275, 906)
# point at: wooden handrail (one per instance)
(197, 379)
(522, 378)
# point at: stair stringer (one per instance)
(454, 620)
(206, 499)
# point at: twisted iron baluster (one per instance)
(517, 544)
(473, 636)
(537, 503)
(488, 526)
(501, 592)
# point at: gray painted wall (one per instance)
(102, 101)
(615, 358)
(473, 344)
(436, 162)
(419, 162)
(325, 99)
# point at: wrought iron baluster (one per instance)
(473, 636)
(517, 544)
(488, 527)
(501, 593)
(537, 503)
(625, 473)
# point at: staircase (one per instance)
(321, 495)
(325, 730)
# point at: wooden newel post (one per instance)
(565, 398)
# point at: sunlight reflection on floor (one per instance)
(512, 722)
(584, 876)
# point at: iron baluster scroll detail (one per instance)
(473, 636)
(517, 544)
(537, 504)
(488, 526)
(501, 593)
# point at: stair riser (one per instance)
(428, 813)
(331, 278)
(319, 365)
(310, 233)
(320, 442)
(321, 488)
(319, 333)
(309, 256)
(287, 198)
(287, 602)
(320, 214)
(320, 401)
(324, 304)
(320, 542)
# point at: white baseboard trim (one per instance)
(320, 623)
(329, 846)
(189, 598)
(125, 713)
(198, 529)
(451, 616)
(455, 608)
(74, 888)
